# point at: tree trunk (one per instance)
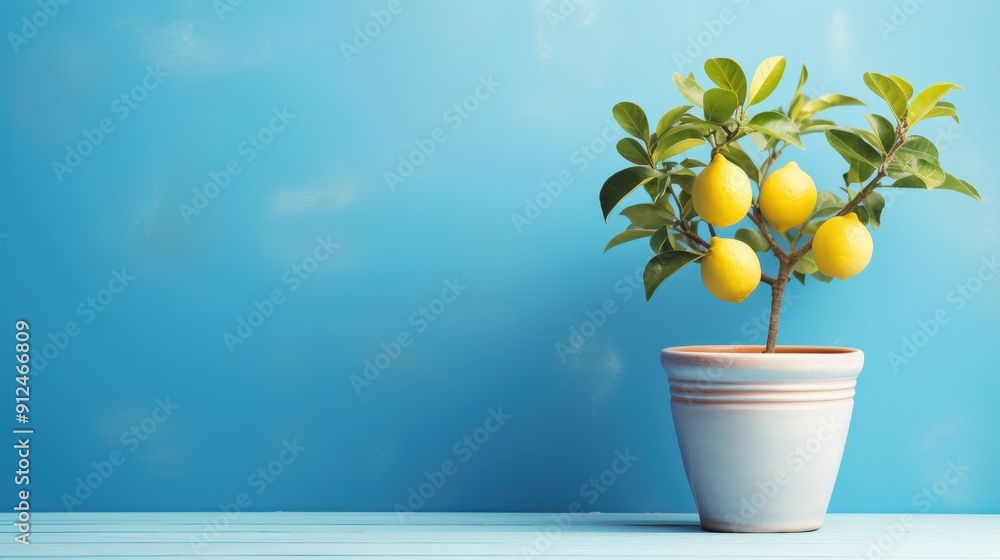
(777, 291)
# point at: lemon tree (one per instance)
(823, 234)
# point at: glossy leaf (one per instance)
(925, 101)
(942, 109)
(670, 118)
(685, 182)
(903, 85)
(632, 119)
(823, 102)
(827, 204)
(859, 172)
(798, 98)
(766, 78)
(886, 88)
(676, 142)
(862, 213)
(656, 187)
(920, 147)
(875, 203)
(754, 238)
(950, 183)
(632, 150)
(687, 206)
(619, 185)
(720, 104)
(776, 125)
(822, 277)
(809, 126)
(727, 74)
(648, 216)
(929, 173)
(883, 129)
(851, 145)
(806, 265)
(626, 236)
(689, 88)
(663, 265)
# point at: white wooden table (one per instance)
(494, 535)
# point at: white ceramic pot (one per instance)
(761, 435)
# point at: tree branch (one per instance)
(883, 172)
(754, 216)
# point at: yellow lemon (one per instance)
(787, 197)
(730, 270)
(842, 246)
(721, 193)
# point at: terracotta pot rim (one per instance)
(758, 349)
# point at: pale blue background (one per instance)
(496, 345)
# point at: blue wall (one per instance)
(245, 168)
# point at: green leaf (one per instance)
(803, 76)
(942, 109)
(859, 172)
(662, 266)
(776, 125)
(862, 213)
(883, 129)
(806, 265)
(868, 136)
(727, 74)
(734, 153)
(675, 142)
(648, 216)
(720, 104)
(799, 276)
(815, 125)
(920, 147)
(925, 101)
(689, 89)
(875, 203)
(619, 185)
(656, 187)
(670, 118)
(822, 277)
(626, 236)
(687, 206)
(799, 98)
(689, 163)
(824, 102)
(827, 204)
(766, 78)
(685, 182)
(851, 145)
(754, 239)
(886, 88)
(632, 150)
(903, 85)
(632, 119)
(950, 183)
(659, 239)
(929, 173)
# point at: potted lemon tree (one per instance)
(762, 428)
